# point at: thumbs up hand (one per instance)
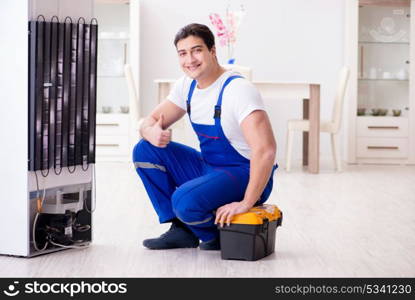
(158, 136)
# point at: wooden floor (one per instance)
(358, 223)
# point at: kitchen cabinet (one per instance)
(379, 48)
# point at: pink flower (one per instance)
(227, 33)
(217, 22)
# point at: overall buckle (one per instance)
(218, 111)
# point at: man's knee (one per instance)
(142, 150)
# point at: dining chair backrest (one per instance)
(339, 98)
(132, 92)
(244, 71)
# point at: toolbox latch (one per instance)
(265, 225)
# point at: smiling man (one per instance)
(234, 169)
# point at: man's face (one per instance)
(194, 57)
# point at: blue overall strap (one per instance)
(219, 103)
(189, 95)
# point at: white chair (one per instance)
(331, 127)
(244, 71)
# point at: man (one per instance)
(232, 173)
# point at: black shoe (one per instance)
(210, 245)
(178, 236)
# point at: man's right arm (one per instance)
(154, 128)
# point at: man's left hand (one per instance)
(225, 213)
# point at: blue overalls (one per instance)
(190, 185)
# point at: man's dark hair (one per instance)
(199, 30)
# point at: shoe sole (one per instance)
(170, 247)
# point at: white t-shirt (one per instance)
(239, 99)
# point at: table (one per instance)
(309, 92)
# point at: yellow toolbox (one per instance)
(251, 235)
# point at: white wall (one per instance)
(296, 40)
